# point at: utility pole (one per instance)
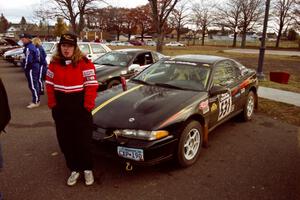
(260, 74)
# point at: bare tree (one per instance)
(282, 14)
(161, 10)
(130, 22)
(204, 15)
(73, 11)
(178, 17)
(252, 12)
(229, 15)
(144, 20)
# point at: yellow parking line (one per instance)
(114, 98)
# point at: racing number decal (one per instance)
(225, 104)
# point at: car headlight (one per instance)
(140, 134)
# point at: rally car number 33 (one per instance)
(224, 105)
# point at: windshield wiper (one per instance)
(169, 86)
(141, 81)
(109, 64)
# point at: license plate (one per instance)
(131, 153)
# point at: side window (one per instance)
(140, 59)
(148, 58)
(226, 73)
(84, 48)
(97, 48)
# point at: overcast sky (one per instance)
(13, 10)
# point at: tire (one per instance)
(191, 136)
(113, 83)
(249, 107)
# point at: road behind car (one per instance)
(257, 160)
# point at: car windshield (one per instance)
(115, 59)
(47, 46)
(176, 74)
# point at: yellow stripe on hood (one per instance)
(114, 98)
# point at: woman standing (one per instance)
(42, 61)
(72, 88)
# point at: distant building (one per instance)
(15, 29)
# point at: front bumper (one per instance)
(154, 152)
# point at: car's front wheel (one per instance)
(249, 107)
(189, 144)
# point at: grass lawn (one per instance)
(280, 111)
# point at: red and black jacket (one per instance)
(69, 79)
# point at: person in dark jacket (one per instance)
(4, 114)
(42, 61)
(71, 89)
(32, 69)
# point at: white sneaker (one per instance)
(72, 180)
(89, 177)
(33, 105)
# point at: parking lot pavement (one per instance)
(255, 160)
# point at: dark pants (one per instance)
(74, 130)
(32, 76)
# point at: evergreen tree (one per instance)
(3, 24)
(23, 24)
(23, 21)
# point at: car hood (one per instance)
(104, 71)
(14, 51)
(147, 107)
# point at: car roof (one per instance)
(89, 43)
(198, 58)
(133, 50)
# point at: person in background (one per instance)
(4, 119)
(42, 61)
(31, 67)
(72, 88)
(4, 115)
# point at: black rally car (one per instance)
(170, 107)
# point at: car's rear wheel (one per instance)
(113, 83)
(249, 107)
(189, 144)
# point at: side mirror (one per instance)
(216, 89)
(134, 67)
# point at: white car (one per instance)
(150, 43)
(175, 44)
(91, 49)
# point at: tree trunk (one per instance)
(234, 39)
(142, 35)
(203, 38)
(129, 36)
(118, 35)
(160, 41)
(279, 35)
(244, 35)
(178, 34)
(80, 25)
(73, 24)
(194, 40)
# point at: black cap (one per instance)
(25, 35)
(68, 38)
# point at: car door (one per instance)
(223, 105)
